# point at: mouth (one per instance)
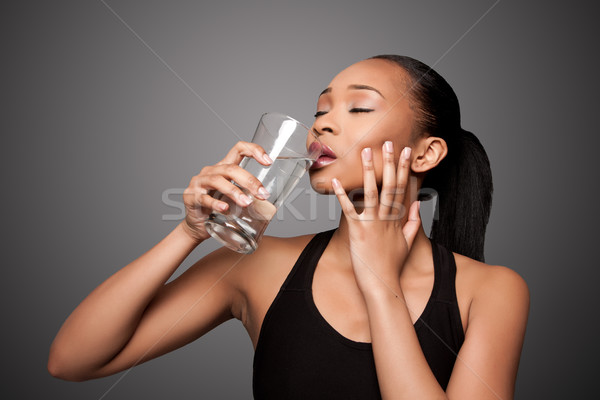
(327, 157)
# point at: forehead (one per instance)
(389, 78)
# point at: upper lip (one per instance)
(326, 151)
(322, 148)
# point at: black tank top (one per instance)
(300, 356)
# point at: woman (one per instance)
(372, 309)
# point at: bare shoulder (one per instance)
(491, 279)
(491, 287)
(262, 272)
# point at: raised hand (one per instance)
(198, 199)
(381, 235)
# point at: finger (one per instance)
(371, 193)
(413, 223)
(246, 149)
(243, 178)
(388, 184)
(198, 199)
(223, 185)
(402, 180)
(347, 206)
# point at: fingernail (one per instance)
(406, 153)
(267, 158)
(222, 206)
(263, 193)
(367, 153)
(335, 183)
(245, 199)
(388, 146)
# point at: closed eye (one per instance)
(352, 110)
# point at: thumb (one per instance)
(413, 224)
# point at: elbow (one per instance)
(60, 368)
(58, 371)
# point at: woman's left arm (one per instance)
(487, 362)
(486, 365)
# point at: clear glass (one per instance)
(284, 139)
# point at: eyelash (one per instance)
(355, 110)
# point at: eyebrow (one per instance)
(355, 87)
(325, 91)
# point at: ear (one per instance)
(428, 153)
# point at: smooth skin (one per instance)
(379, 258)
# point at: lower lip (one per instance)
(321, 162)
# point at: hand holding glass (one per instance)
(284, 139)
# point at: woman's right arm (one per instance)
(134, 316)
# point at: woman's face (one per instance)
(363, 106)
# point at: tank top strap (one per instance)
(445, 273)
(301, 272)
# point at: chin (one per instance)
(321, 185)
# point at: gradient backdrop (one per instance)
(103, 129)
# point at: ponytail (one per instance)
(463, 183)
(463, 179)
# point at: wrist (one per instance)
(191, 234)
(383, 292)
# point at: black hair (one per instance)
(463, 179)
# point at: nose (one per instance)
(325, 123)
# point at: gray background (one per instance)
(95, 128)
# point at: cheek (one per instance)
(395, 126)
(350, 170)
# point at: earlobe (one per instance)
(429, 153)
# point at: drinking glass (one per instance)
(284, 139)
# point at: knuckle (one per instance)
(199, 197)
(368, 166)
(191, 197)
(243, 146)
(400, 192)
(371, 193)
(253, 183)
(235, 191)
(387, 200)
(388, 188)
(204, 172)
(196, 182)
